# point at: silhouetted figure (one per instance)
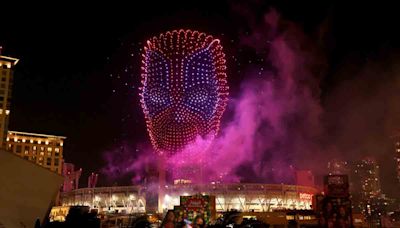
(79, 217)
(254, 224)
(141, 222)
(292, 224)
(232, 218)
(37, 223)
(180, 222)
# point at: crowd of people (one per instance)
(229, 219)
(170, 221)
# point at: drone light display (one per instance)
(184, 88)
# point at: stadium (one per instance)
(241, 197)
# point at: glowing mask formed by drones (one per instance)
(185, 90)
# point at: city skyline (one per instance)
(88, 91)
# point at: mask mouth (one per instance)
(175, 128)
(179, 135)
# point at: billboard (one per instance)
(191, 206)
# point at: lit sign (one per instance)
(305, 196)
(59, 213)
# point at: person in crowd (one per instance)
(169, 220)
(199, 222)
(180, 222)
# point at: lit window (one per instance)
(42, 153)
(57, 150)
(49, 149)
(34, 147)
(41, 148)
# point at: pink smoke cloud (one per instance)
(276, 118)
(123, 160)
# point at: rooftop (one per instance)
(18, 133)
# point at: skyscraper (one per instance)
(367, 173)
(367, 193)
(338, 167)
(6, 75)
(396, 140)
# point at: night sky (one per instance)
(79, 69)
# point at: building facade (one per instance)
(244, 196)
(241, 197)
(71, 177)
(396, 140)
(338, 167)
(44, 150)
(367, 193)
(119, 199)
(6, 75)
(366, 174)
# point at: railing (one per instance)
(243, 187)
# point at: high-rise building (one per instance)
(396, 139)
(338, 167)
(6, 75)
(365, 188)
(367, 193)
(44, 150)
(366, 173)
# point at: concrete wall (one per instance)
(26, 191)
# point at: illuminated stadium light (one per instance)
(184, 88)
